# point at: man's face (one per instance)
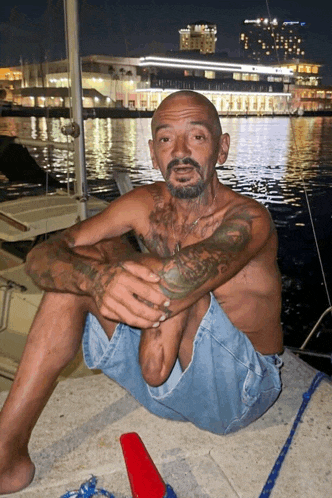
(187, 145)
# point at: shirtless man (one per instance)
(191, 329)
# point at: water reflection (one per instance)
(258, 157)
(270, 159)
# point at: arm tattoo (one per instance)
(190, 268)
(58, 267)
(101, 282)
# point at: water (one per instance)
(284, 163)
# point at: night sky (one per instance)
(128, 28)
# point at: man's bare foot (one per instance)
(16, 473)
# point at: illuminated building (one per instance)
(142, 83)
(10, 78)
(234, 89)
(305, 73)
(107, 82)
(199, 36)
(308, 94)
(270, 40)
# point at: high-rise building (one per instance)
(272, 40)
(199, 36)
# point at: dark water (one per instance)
(284, 163)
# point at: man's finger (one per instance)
(145, 292)
(140, 271)
(125, 315)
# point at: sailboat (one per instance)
(24, 221)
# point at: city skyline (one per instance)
(129, 29)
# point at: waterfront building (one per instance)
(106, 81)
(306, 100)
(141, 84)
(266, 40)
(200, 37)
(306, 73)
(308, 93)
(234, 88)
(10, 78)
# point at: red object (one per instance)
(145, 480)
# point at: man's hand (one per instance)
(129, 293)
(123, 289)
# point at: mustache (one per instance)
(185, 160)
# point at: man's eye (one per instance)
(199, 137)
(164, 139)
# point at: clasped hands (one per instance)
(128, 292)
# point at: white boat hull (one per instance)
(26, 219)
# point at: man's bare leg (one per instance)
(161, 346)
(53, 342)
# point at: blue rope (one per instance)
(275, 471)
(169, 492)
(88, 490)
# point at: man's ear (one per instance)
(224, 143)
(152, 155)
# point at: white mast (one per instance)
(77, 127)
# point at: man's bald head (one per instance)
(193, 97)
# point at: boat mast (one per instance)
(77, 127)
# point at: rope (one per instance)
(271, 480)
(88, 490)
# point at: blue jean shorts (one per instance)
(226, 386)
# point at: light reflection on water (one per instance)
(270, 159)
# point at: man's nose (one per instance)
(181, 148)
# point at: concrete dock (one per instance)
(78, 436)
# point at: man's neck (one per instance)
(204, 205)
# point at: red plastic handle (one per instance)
(145, 480)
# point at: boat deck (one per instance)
(78, 435)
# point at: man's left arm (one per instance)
(200, 268)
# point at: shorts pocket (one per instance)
(251, 388)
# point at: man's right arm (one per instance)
(59, 265)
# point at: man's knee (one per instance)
(59, 303)
(58, 325)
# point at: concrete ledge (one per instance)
(78, 435)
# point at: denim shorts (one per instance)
(226, 386)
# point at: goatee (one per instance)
(185, 191)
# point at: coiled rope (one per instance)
(87, 490)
